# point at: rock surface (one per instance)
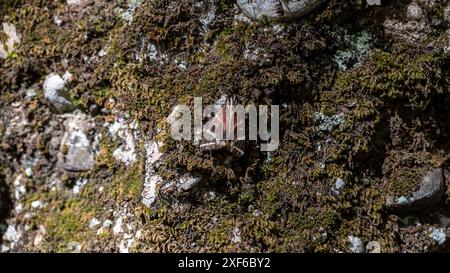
(362, 91)
(277, 9)
(373, 247)
(414, 12)
(56, 92)
(76, 147)
(431, 191)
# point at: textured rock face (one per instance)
(79, 156)
(432, 189)
(277, 9)
(363, 114)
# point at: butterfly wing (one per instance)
(225, 120)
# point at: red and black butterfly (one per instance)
(226, 119)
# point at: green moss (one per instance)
(127, 184)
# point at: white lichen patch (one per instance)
(358, 48)
(438, 235)
(133, 5)
(356, 244)
(155, 54)
(186, 182)
(150, 192)
(152, 181)
(403, 200)
(254, 53)
(128, 133)
(328, 123)
(208, 15)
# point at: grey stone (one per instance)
(79, 160)
(74, 247)
(431, 192)
(277, 9)
(414, 12)
(57, 94)
(75, 144)
(432, 188)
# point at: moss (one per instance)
(396, 93)
(404, 171)
(67, 220)
(127, 184)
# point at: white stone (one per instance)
(18, 208)
(107, 223)
(56, 93)
(12, 40)
(356, 244)
(57, 21)
(29, 171)
(74, 247)
(93, 223)
(126, 243)
(79, 185)
(73, 2)
(373, 247)
(30, 93)
(117, 228)
(39, 237)
(67, 77)
(36, 204)
(340, 184)
(19, 188)
(11, 235)
(236, 236)
(149, 193)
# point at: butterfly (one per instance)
(224, 120)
